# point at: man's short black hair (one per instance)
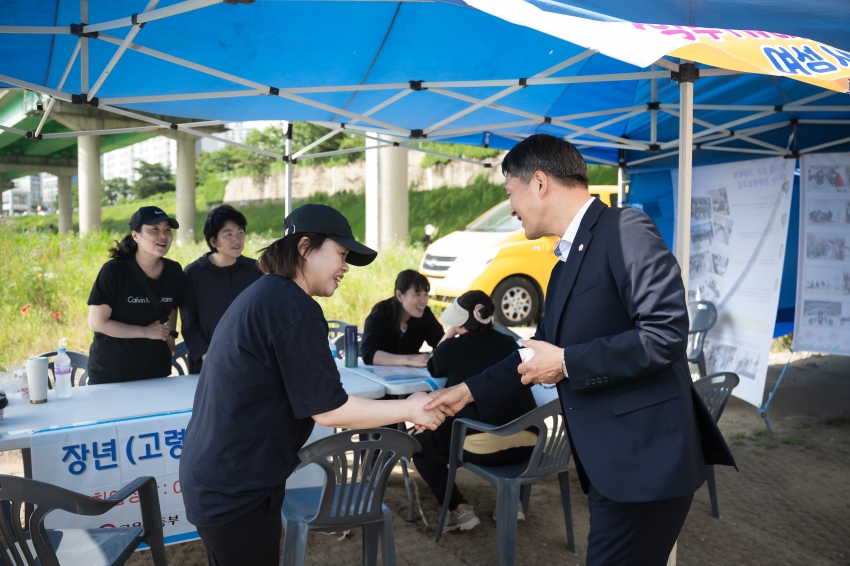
(216, 220)
(556, 157)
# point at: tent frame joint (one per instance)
(273, 90)
(653, 106)
(77, 29)
(653, 148)
(417, 85)
(82, 99)
(33, 136)
(795, 154)
(418, 134)
(522, 82)
(687, 73)
(134, 19)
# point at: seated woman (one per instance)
(134, 331)
(214, 280)
(471, 346)
(396, 327)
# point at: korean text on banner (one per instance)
(822, 316)
(98, 460)
(739, 229)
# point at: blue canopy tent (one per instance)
(441, 70)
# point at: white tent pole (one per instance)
(833, 122)
(288, 197)
(180, 97)
(61, 135)
(655, 157)
(600, 112)
(173, 10)
(824, 145)
(606, 123)
(686, 131)
(342, 151)
(84, 56)
(510, 90)
(13, 130)
(745, 150)
(61, 84)
(36, 30)
(653, 114)
(731, 135)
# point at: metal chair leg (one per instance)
(524, 497)
(294, 545)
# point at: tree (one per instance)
(114, 189)
(154, 178)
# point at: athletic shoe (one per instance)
(465, 520)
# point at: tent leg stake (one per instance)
(763, 409)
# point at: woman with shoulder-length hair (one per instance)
(397, 327)
(214, 280)
(133, 303)
(268, 377)
(471, 346)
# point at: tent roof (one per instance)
(352, 61)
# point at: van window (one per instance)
(499, 219)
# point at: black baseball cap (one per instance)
(323, 219)
(151, 215)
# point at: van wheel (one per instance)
(516, 301)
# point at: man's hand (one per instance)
(417, 360)
(545, 366)
(448, 401)
(422, 418)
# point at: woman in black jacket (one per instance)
(397, 327)
(214, 280)
(470, 347)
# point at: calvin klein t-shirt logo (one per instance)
(146, 300)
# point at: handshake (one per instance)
(541, 366)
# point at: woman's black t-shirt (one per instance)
(381, 332)
(268, 371)
(113, 360)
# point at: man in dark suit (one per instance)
(613, 338)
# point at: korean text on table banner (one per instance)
(98, 460)
(822, 316)
(739, 229)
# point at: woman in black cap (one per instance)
(397, 327)
(268, 377)
(133, 303)
(472, 346)
(214, 280)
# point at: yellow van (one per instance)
(493, 255)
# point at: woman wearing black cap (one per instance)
(214, 280)
(133, 303)
(472, 346)
(264, 384)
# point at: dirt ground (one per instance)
(788, 505)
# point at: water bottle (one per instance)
(62, 374)
(351, 346)
(332, 344)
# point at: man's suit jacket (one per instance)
(639, 430)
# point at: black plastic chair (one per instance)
(715, 390)
(506, 331)
(357, 466)
(513, 483)
(75, 547)
(703, 317)
(181, 353)
(79, 362)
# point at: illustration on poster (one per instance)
(719, 201)
(828, 177)
(723, 229)
(825, 246)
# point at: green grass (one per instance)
(46, 274)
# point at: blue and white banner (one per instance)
(823, 278)
(99, 459)
(739, 229)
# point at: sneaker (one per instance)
(520, 516)
(465, 520)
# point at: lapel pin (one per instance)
(580, 247)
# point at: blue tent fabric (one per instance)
(290, 44)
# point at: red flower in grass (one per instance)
(56, 315)
(24, 310)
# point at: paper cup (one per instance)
(37, 379)
(526, 354)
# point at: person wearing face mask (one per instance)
(397, 327)
(264, 384)
(470, 347)
(133, 303)
(214, 280)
